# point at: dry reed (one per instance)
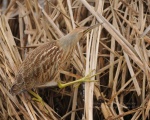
(117, 51)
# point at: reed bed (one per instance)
(117, 51)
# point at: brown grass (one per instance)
(117, 51)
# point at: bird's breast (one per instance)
(41, 65)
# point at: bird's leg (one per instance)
(84, 79)
(36, 97)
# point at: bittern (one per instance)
(42, 65)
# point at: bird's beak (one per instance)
(90, 28)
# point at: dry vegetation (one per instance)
(117, 50)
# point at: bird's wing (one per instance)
(41, 65)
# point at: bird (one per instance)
(41, 67)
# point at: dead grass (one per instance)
(118, 51)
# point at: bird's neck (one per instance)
(67, 44)
(69, 41)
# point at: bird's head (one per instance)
(79, 32)
(73, 37)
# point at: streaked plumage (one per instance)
(41, 66)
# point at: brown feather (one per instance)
(42, 65)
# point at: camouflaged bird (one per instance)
(42, 65)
